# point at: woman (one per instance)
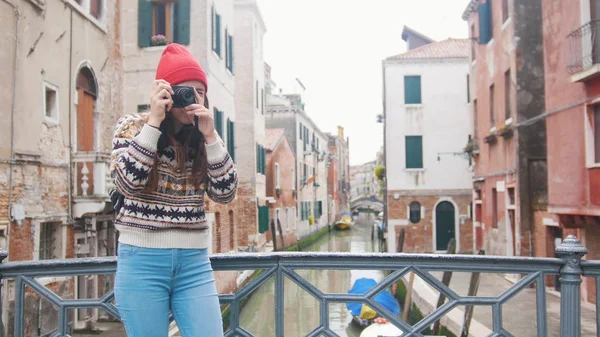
(163, 164)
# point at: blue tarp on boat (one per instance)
(384, 298)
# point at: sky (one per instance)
(335, 48)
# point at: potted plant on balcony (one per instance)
(159, 40)
(311, 220)
(491, 138)
(505, 131)
(278, 191)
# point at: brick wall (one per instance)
(223, 230)
(419, 237)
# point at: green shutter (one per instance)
(257, 159)
(212, 27)
(263, 219)
(264, 158)
(412, 89)
(182, 29)
(144, 23)
(218, 34)
(414, 152)
(218, 116)
(485, 21)
(232, 152)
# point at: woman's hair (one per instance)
(188, 138)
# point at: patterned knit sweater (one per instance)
(173, 215)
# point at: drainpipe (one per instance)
(70, 166)
(13, 107)
(385, 180)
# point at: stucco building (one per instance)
(428, 124)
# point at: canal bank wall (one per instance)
(424, 301)
(248, 275)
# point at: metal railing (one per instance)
(584, 47)
(284, 265)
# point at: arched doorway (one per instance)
(445, 223)
(86, 100)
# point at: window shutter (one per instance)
(218, 115)
(414, 152)
(485, 22)
(412, 89)
(230, 53)
(182, 29)
(212, 28)
(264, 153)
(257, 159)
(301, 130)
(232, 153)
(263, 219)
(144, 23)
(218, 34)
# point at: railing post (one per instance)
(570, 250)
(3, 256)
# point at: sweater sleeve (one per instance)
(133, 155)
(222, 174)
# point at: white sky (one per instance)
(335, 47)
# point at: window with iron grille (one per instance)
(48, 244)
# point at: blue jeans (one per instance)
(150, 283)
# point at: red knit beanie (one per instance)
(177, 65)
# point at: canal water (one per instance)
(301, 314)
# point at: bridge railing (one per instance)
(281, 266)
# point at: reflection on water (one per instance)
(301, 309)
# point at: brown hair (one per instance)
(192, 139)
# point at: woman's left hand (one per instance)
(206, 121)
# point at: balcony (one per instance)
(91, 182)
(584, 52)
(23, 279)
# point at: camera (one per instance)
(183, 96)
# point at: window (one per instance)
(505, 14)
(507, 96)
(96, 8)
(301, 130)
(414, 212)
(597, 134)
(216, 32)
(294, 218)
(293, 179)
(257, 99)
(278, 217)
(485, 21)
(51, 102)
(262, 106)
(261, 155)
(277, 177)
(231, 138)
(468, 89)
(412, 89)
(473, 48)
(287, 219)
(494, 208)
(492, 117)
(229, 51)
(414, 152)
(475, 128)
(169, 18)
(50, 236)
(218, 117)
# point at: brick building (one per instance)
(62, 61)
(571, 62)
(281, 188)
(338, 175)
(427, 125)
(510, 182)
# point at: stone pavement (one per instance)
(519, 313)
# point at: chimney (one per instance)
(340, 132)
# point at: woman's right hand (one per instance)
(160, 102)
